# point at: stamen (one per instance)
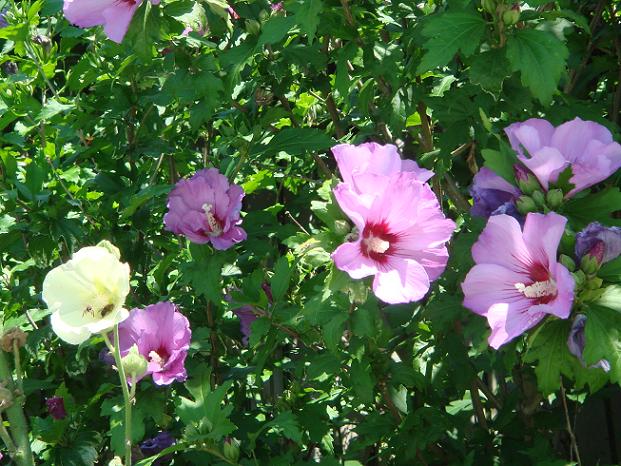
(212, 221)
(538, 290)
(156, 358)
(375, 244)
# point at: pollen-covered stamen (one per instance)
(376, 244)
(541, 291)
(212, 221)
(156, 358)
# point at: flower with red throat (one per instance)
(205, 208)
(517, 280)
(402, 234)
(113, 15)
(162, 335)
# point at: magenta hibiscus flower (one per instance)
(162, 335)
(114, 15)
(492, 194)
(402, 235)
(586, 146)
(376, 159)
(205, 209)
(517, 280)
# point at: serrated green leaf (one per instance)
(602, 337)
(540, 59)
(489, 69)
(295, 141)
(308, 17)
(594, 207)
(280, 280)
(449, 33)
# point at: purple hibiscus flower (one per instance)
(517, 279)
(157, 444)
(114, 15)
(599, 241)
(162, 335)
(205, 208)
(492, 194)
(56, 407)
(585, 146)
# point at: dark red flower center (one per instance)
(159, 356)
(377, 241)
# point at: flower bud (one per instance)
(539, 199)
(359, 291)
(489, 6)
(554, 198)
(56, 407)
(12, 336)
(6, 398)
(252, 26)
(525, 204)
(579, 278)
(110, 247)
(134, 363)
(567, 262)
(512, 15)
(527, 182)
(10, 67)
(589, 264)
(341, 227)
(231, 449)
(594, 283)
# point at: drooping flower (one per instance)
(599, 241)
(587, 147)
(56, 407)
(402, 234)
(86, 295)
(517, 279)
(491, 194)
(156, 444)
(376, 159)
(205, 208)
(575, 342)
(113, 15)
(162, 335)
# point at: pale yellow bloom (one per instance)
(87, 294)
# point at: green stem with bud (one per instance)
(127, 398)
(17, 419)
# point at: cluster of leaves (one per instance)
(94, 134)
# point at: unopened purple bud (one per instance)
(601, 242)
(155, 445)
(106, 357)
(56, 407)
(526, 181)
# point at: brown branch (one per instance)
(389, 403)
(426, 132)
(334, 114)
(347, 11)
(453, 192)
(570, 430)
(478, 406)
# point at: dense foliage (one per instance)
(94, 135)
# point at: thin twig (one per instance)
(488, 394)
(570, 430)
(478, 406)
(347, 11)
(426, 133)
(334, 114)
(453, 192)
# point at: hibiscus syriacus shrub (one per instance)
(309, 232)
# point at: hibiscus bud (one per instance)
(579, 278)
(11, 337)
(110, 247)
(43, 41)
(6, 398)
(599, 241)
(539, 199)
(512, 15)
(341, 227)
(526, 181)
(489, 6)
(554, 198)
(525, 204)
(589, 264)
(231, 449)
(594, 283)
(568, 262)
(252, 26)
(10, 67)
(134, 363)
(56, 407)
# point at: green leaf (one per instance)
(114, 409)
(295, 141)
(275, 29)
(449, 33)
(287, 424)
(280, 280)
(361, 381)
(549, 348)
(308, 17)
(333, 331)
(602, 336)
(611, 298)
(594, 207)
(500, 162)
(489, 69)
(143, 196)
(611, 271)
(52, 108)
(540, 58)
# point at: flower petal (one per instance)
(349, 258)
(404, 282)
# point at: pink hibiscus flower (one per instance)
(517, 280)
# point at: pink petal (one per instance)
(405, 282)
(542, 235)
(351, 204)
(86, 13)
(349, 258)
(433, 260)
(116, 20)
(422, 174)
(547, 163)
(565, 284)
(510, 320)
(501, 243)
(532, 134)
(489, 284)
(571, 138)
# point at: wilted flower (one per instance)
(575, 342)
(86, 295)
(56, 407)
(585, 146)
(517, 280)
(402, 234)
(205, 208)
(155, 445)
(374, 159)
(162, 335)
(492, 194)
(114, 15)
(599, 241)
(246, 317)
